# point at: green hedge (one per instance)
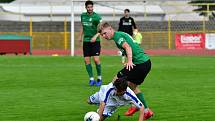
(6, 1)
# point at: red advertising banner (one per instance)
(190, 41)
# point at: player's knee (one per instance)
(87, 61)
(97, 61)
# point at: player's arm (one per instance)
(129, 65)
(133, 24)
(120, 25)
(99, 20)
(135, 101)
(141, 114)
(101, 110)
(93, 39)
(80, 34)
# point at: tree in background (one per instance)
(6, 1)
(204, 9)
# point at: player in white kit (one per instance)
(114, 95)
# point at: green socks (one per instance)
(141, 98)
(89, 70)
(98, 68)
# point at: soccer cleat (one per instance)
(92, 82)
(131, 111)
(148, 114)
(99, 82)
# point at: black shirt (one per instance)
(126, 24)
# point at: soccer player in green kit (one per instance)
(91, 42)
(136, 68)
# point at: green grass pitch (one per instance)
(37, 88)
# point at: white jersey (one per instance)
(107, 94)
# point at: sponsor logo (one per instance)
(191, 39)
(126, 23)
(87, 24)
(120, 41)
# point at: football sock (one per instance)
(98, 68)
(91, 78)
(141, 98)
(100, 77)
(89, 70)
(146, 110)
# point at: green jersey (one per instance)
(90, 23)
(138, 55)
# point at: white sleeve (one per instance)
(133, 98)
(105, 91)
(102, 93)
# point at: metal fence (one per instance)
(55, 35)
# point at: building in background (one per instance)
(57, 10)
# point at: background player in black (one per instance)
(127, 23)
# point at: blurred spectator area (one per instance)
(48, 21)
(23, 12)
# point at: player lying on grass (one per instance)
(114, 95)
(136, 67)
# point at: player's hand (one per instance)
(129, 65)
(93, 39)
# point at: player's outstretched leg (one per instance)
(148, 112)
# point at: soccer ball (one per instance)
(91, 116)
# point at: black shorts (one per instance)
(137, 74)
(91, 49)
